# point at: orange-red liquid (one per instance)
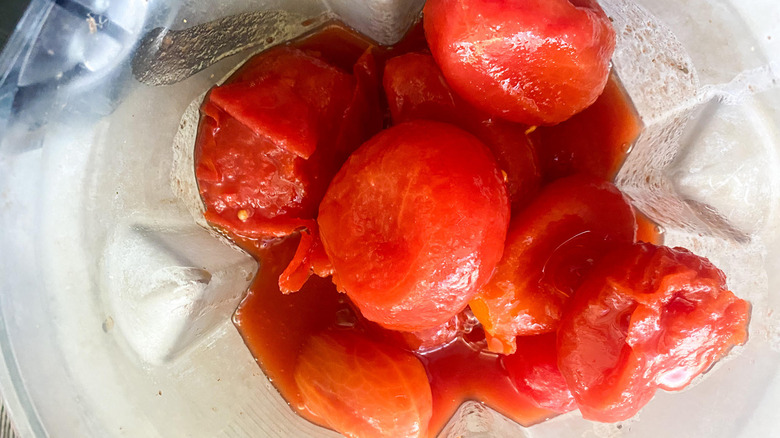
(595, 141)
(274, 325)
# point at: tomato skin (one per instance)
(549, 246)
(416, 89)
(362, 388)
(414, 223)
(292, 98)
(646, 317)
(530, 61)
(534, 371)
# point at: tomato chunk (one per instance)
(416, 89)
(362, 388)
(272, 137)
(414, 223)
(550, 245)
(534, 371)
(246, 182)
(530, 61)
(646, 317)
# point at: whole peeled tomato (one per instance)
(646, 317)
(414, 224)
(531, 61)
(363, 388)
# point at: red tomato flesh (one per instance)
(414, 223)
(646, 317)
(550, 245)
(293, 99)
(275, 133)
(529, 61)
(534, 371)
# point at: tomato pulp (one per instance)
(264, 169)
(647, 317)
(460, 367)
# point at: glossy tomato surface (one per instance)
(530, 61)
(362, 388)
(309, 258)
(288, 96)
(534, 371)
(646, 317)
(549, 247)
(416, 89)
(414, 223)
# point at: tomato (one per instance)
(416, 89)
(275, 133)
(363, 117)
(646, 317)
(549, 246)
(414, 223)
(239, 174)
(362, 388)
(534, 371)
(529, 61)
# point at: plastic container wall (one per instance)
(115, 312)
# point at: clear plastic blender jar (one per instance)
(116, 299)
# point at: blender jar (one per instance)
(116, 297)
